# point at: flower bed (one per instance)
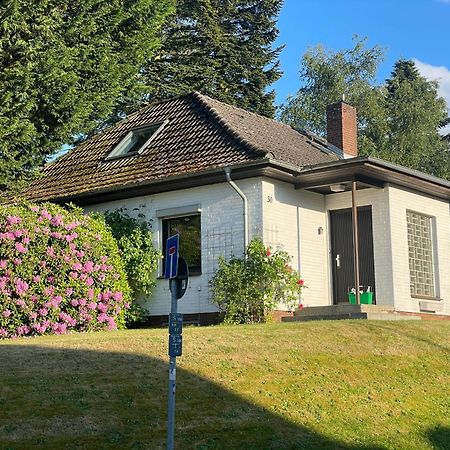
(59, 271)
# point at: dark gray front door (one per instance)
(342, 251)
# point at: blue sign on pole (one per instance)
(171, 263)
(175, 344)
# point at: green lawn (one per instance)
(315, 385)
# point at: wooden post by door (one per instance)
(355, 240)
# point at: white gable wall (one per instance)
(222, 233)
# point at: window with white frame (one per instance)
(420, 248)
(135, 141)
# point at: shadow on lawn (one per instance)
(64, 398)
(440, 438)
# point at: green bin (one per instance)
(365, 298)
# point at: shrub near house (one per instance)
(59, 271)
(139, 255)
(247, 290)
(136, 247)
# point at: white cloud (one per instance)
(441, 74)
(444, 1)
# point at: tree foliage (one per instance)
(398, 121)
(415, 113)
(327, 76)
(222, 48)
(65, 65)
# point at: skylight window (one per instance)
(135, 141)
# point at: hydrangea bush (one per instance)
(59, 271)
(247, 290)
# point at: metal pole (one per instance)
(355, 241)
(172, 373)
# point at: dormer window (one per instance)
(136, 141)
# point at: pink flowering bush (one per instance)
(60, 271)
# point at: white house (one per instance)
(221, 175)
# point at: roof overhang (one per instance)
(369, 172)
(260, 168)
(366, 171)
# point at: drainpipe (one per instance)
(245, 204)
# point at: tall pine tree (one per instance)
(64, 67)
(222, 48)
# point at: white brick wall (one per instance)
(222, 233)
(290, 219)
(399, 201)
(389, 207)
(288, 214)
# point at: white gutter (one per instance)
(245, 204)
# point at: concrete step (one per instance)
(343, 308)
(350, 316)
(391, 316)
(307, 318)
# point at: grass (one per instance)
(317, 385)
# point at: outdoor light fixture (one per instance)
(337, 187)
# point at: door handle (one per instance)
(338, 261)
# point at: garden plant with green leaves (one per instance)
(138, 253)
(248, 289)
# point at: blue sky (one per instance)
(414, 29)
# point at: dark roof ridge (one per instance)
(202, 98)
(149, 103)
(312, 136)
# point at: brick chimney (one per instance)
(342, 131)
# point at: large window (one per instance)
(189, 229)
(420, 246)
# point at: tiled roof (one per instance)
(201, 133)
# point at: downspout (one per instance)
(245, 204)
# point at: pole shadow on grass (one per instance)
(66, 398)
